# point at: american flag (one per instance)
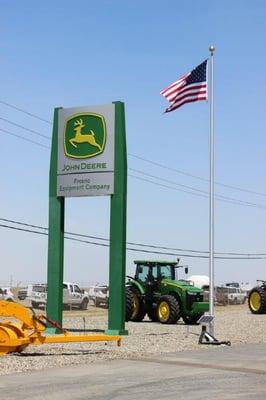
(191, 87)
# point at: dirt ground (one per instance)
(101, 311)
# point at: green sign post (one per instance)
(56, 237)
(88, 158)
(116, 315)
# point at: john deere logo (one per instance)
(84, 135)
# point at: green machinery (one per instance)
(257, 299)
(156, 291)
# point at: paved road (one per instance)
(218, 373)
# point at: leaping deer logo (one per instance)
(83, 137)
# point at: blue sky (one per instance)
(68, 54)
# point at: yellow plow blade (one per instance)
(15, 337)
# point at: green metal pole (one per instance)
(56, 238)
(117, 262)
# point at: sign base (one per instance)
(116, 332)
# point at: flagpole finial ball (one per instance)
(211, 49)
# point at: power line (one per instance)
(25, 128)
(128, 243)
(138, 157)
(168, 181)
(236, 202)
(23, 138)
(194, 176)
(201, 193)
(217, 196)
(134, 249)
(166, 186)
(25, 112)
(146, 160)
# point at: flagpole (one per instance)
(211, 191)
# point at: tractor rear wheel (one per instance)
(129, 304)
(168, 310)
(192, 319)
(139, 311)
(257, 300)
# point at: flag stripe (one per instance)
(193, 87)
(174, 83)
(172, 92)
(172, 95)
(187, 91)
(189, 96)
(174, 106)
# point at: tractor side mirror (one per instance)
(186, 270)
(140, 270)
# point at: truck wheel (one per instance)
(139, 311)
(192, 319)
(129, 304)
(34, 304)
(257, 300)
(84, 304)
(168, 310)
(97, 303)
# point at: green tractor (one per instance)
(156, 291)
(257, 299)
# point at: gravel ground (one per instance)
(234, 323)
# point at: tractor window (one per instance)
(166, 272)
(143, 273)
(154, 272)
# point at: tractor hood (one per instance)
(181, 285)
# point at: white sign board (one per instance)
(85, 163)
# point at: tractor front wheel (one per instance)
(257, 300)
(153, 314)
(168, 310)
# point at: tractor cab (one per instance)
(156, 270)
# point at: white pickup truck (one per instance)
(236, 295)
(6, 294)
(73, 296)
(99, 294)
(26, 292)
